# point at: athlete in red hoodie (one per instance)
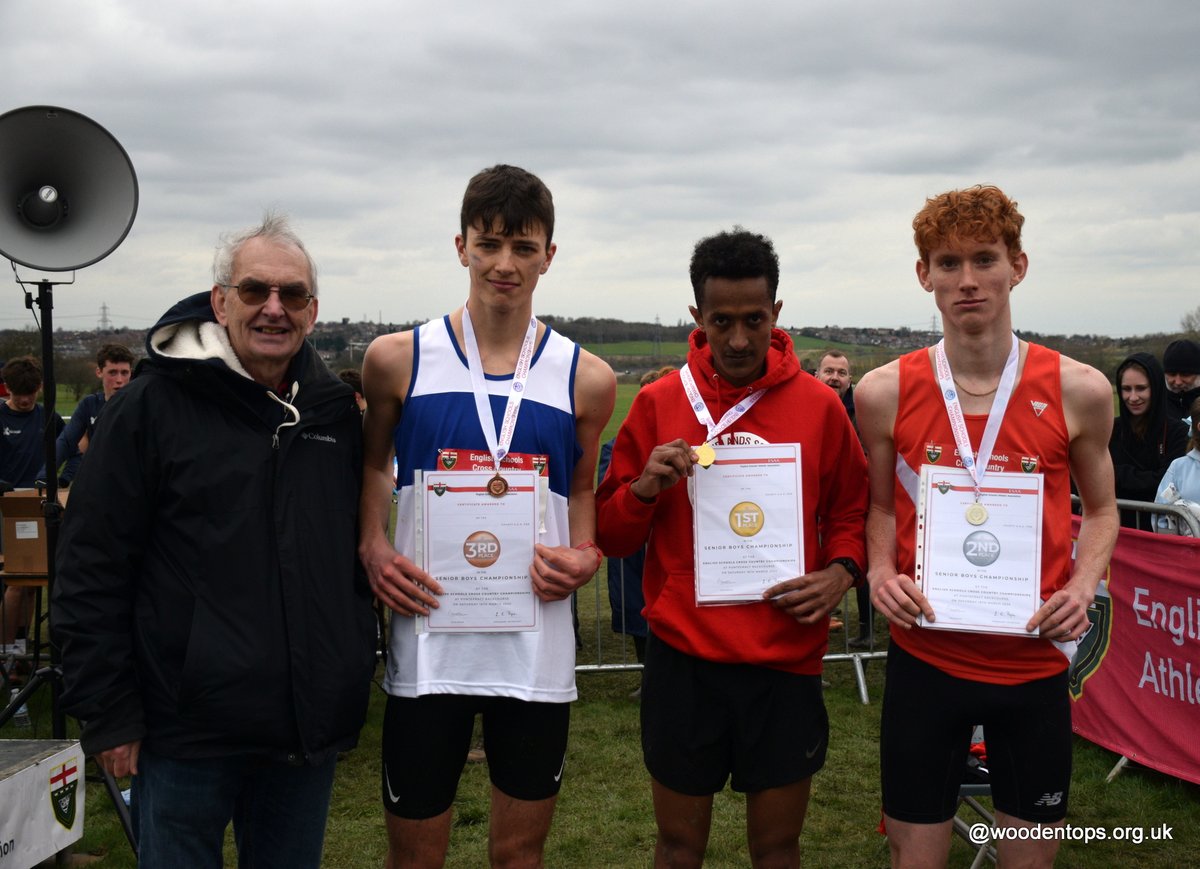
(734, 690)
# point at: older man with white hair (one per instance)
(216, 627)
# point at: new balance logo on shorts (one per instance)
(1049, 799)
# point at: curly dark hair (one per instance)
(736, 254)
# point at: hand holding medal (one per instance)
(666, 465)
(671, 462)
(705, 453)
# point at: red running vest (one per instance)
(1032, 439)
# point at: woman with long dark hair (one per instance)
(1145, 438)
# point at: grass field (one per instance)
(64, 401)
(638, 348)
(605, 817)
(625, 394)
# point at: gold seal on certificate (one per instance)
(497, 486)
(977, 514)
(746, 519)
(705, 454)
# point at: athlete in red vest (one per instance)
(1023, 409)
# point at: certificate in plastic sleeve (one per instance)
(479, 547)
(747, 521)
(984, 576)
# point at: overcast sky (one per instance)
(821, 124)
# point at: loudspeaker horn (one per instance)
(68, 192)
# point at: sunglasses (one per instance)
(294, 297)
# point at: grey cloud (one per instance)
(824, 124)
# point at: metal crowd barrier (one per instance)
(1181, 513)
(1185, 516)
(603, 650)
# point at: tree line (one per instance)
(341, 343)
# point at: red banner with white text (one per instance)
(1136, 678)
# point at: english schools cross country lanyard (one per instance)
(705, 450)
(976, 513)
(498, 447)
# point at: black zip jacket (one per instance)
(209, 598)
(1140, 462)
(1179, 404)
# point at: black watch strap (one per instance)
(851, 568)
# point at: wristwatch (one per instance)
(851, 568)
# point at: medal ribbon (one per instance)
(958, 424)
(498, 447)
(701, 409)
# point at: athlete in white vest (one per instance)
(485, 386)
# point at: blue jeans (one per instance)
(182, 808)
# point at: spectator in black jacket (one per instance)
(834, 370)
(1146, 436)
(1181, 365)
(216, 626)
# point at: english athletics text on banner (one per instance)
(1136, 678)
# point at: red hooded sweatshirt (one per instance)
(796, 408)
